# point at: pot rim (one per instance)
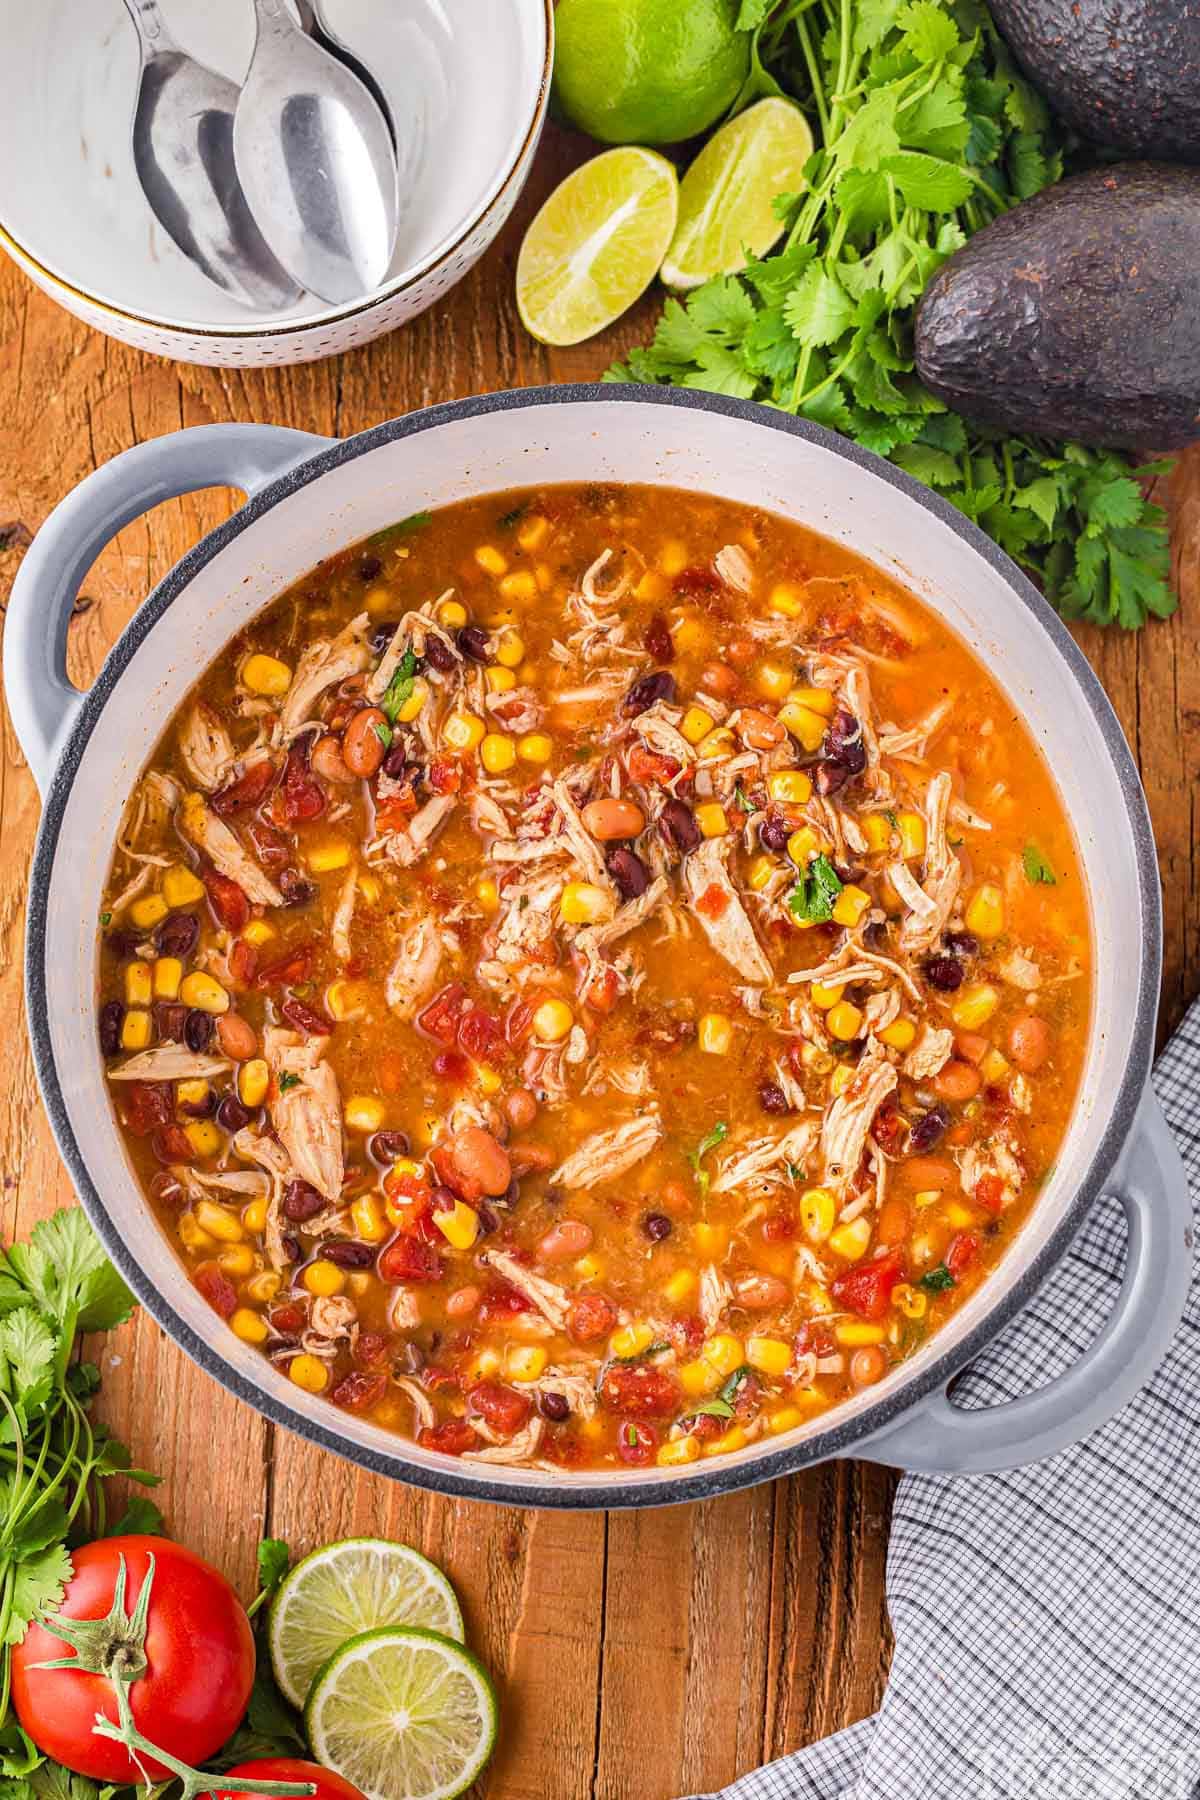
(472, 1481)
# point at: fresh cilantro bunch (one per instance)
(926, 132)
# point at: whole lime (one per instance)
(647, 71)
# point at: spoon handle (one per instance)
(275, 15)
(150, 25)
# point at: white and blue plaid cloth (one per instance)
(1047, 1620)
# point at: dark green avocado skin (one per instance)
(1077, 314)
(1123, 72)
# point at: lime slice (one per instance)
(404, 1714)
(346, 1589)
(725, 210)
(596, 244)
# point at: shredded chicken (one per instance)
(849, 1118)
(553, 1302)
(307, 1111)
(715, 1295)
(767, 1160)
(722, 916)
(413, 976)
(423, 1413)
(169, 1062)
(518, 1449)
(205, 747)
(1020, 971)
(343, 916)
(610, 1153)
(930, 1053)
(943, 874)
(323, 663)
(405, 847)
(202, 827)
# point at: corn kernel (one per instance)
(877, 831)
(840, 1080)
(715, 1034)
(364, 1112)
(328, 854)
(912, 834)
(844, 1021)
(804, 844)
(217, 1222)
(975, 1006)
(192, 1236)
(487, 894)
(308, 1372)
(908, 1301)
(826, 995)
(254, 1078)
(533, 532)
(510, 650)
(520, 585)
(379, 600)
(899, 1034)
(818, 700)
(994, 1067)
(135, 1030)
(770, 1356)
(416, 700)
(699, 1378)
(148, 911)
(368, 887)
(459, 1225)
(773, 681)
(237, 1260)
(180, 887)
(927, 1197)
(850, 905)
(490, 560)
(264, 1287)
(139, 984)
(254, 1216)
(535, 747)
(323, 1278)
(961, 1217)
(589, 1268)
(203, 1136)
(525, 1362)
(784, 1418)
(817, 1212)
(463, 731)
(452, 614)
(483, 1365)
(266, 675)
(790, 787)
(501, 681)
(711, 819)
(250, 1326)
(851, 1240)
(678, 1450)
(552, 1021)
(733, 1439)
(366, 1215)
(759, 873)
(712, 1241)
(630, 1340)
(204, 993)
(724, 1353)
(788, 600)
(805, 725)
(192, 1093)
(696, 724)
(985, 911)
(497, 753)
(346, 999)
(489, 1081)
(652, 586)
(258, 932)
(854, 1333)
(673, 557)
(583, 903)
(680, 1287)
(717, 743)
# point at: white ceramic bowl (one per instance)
(469, 79)
(310, 498)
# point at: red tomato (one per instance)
(591, 1318)
(303, 797)
(641, 1392)
(199, 1663)
(451, 1437)
(961, 1253)
(500, 1301)
(289, 1768)
(867, 1290)
(217, 1289)
(249, 788)
(406, 1259)
(295, 965)
(989, 1192)
(636, 1443)
(440, 1018)
(230, 906)
(503, 1408)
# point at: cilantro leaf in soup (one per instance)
(400, 687)
(937, 1280)
(288, 1081)
(716, 1136)
(713, 1409)
(1037, 869)
(816, 890)
(391, 534)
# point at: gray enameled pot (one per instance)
(308, 497)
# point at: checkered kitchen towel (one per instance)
(1047, 1620)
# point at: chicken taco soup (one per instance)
(593, 977)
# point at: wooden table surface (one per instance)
(639, 1655)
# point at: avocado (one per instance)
(1122, 72)
(1077, 314)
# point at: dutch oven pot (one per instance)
(308, 497)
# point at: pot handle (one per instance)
(41, 700)
(937, 1437)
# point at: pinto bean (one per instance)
(716, 679)
(610, 820)
(328, 762)
(958, 1081)
(758, 729)
(531, 1159)
(567, 1239)
(237, 1037)
(1029, 1043)
(867, 1366)
(362, 747)
(462, 1302)
(479, 1164)
(521, 1108)
(761, 1293)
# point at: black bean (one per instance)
(382, 636)
(301, 1201)
(630, 874)
(555, 1407)
(199, 1109)
(944, 973)
(438, 654)
(231, 1114)
(383, 1147)
(961, 943)
(774, 832)
(197, 1030)
(368, 567)
(473, 641)
(112, 1017)
(772, 1098)
(443, 1199)
(290, 1245)
(170, 1018)
(658, 685)
(875, 935)
(489, 1218)
(831, 776)
(929, 1129)
(123, 944)
(679, 826)
(511, 1194)
(658, 641)
(656, 1226)
(295, 889)
(344, 1253)
(844, 741)
(177, 935)
(398, 766)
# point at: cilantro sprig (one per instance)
(1037, 869)
(399, 688)
(926, 132)
(815, 891)
(710, 1141)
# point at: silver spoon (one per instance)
(183, 153)
(315, 159)
(313, 20)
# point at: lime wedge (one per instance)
(596, 244)
(346, 1589)
(404, 1714)
(725, 210)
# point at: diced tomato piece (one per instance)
(217, 1289)
(712, 902)
(445, 774)
(500, 1301)
(481, 1036)
(814, 1339)
(697, 579)
(636, 1442)
(251, 786)
(519, 1022)
(889, 1126)
(408, 1259)
(961, 1252)
(641, 1391)
(438, 1379)
(394, 813)
(270, 849)
(705, 1427)
(288, 1320)
(293, 966)
(687, 1335)
(451, 1065)
(988, 1192)
(358, 1391)
(440, 1018)
(303, 797)
(779, 1227)
(451, 1437)
(746, 1397)
(171, 1144)
(649, 768)
(305, 1018)
(591, 1319)
(243, 961)
(601, 994)
(503, 1408)
(147, 1105)
(867, 1290)
(230, 906)
(971, 1045)
(370, 1348)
